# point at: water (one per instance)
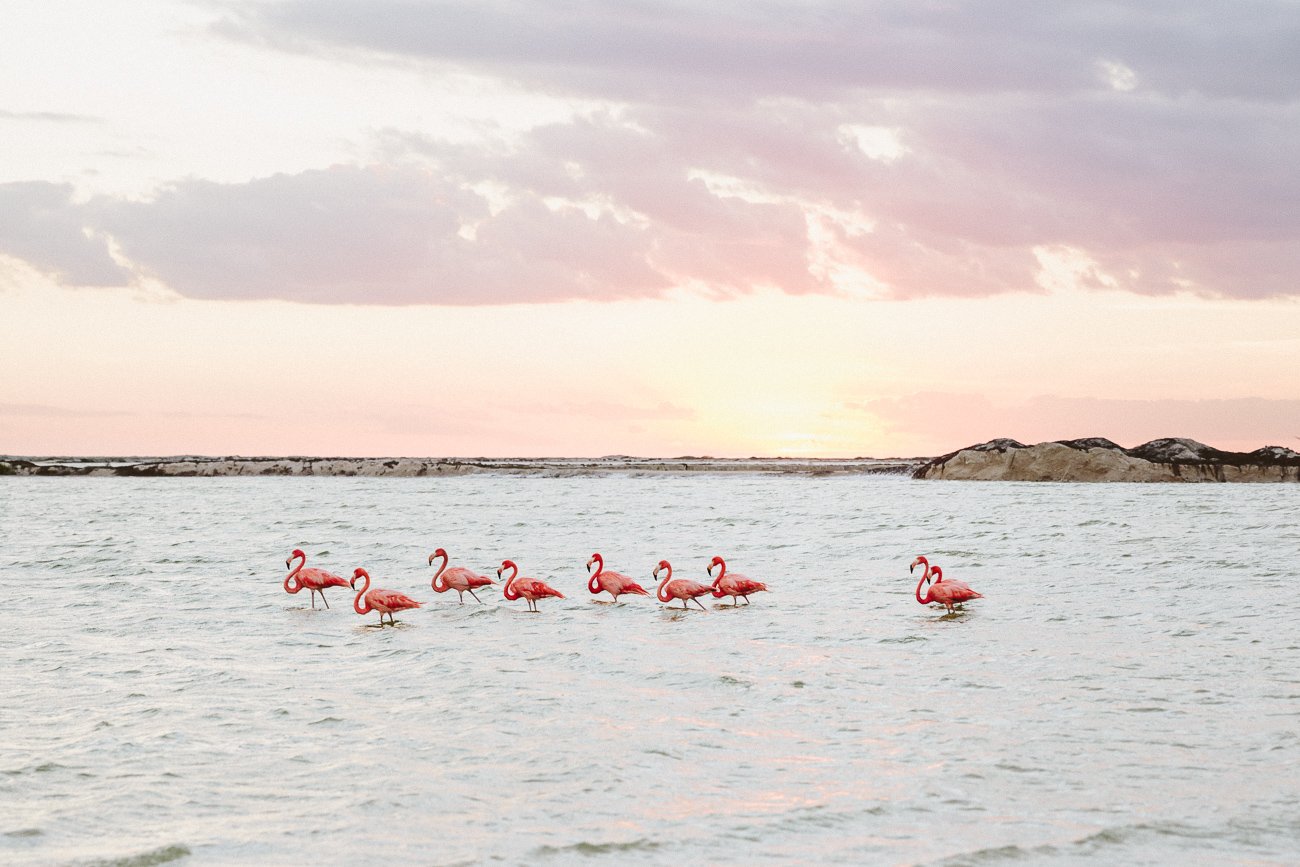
(1128, 692)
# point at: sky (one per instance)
(823, 229)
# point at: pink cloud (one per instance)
(1013, 136)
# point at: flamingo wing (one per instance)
(532, 588)
(548, 590)
(684, 588)
(617, 582)
(318, 579)
(393, 600)
(947, 593)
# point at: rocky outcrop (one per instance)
(1096, 459)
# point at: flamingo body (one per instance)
(613, 583)
(671, 588)
(945, 593)
(936, 573)
(530, 589)
(315, 580)
(383, 601)
(732, 584)
(457, 578)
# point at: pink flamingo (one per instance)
(731, 584)
(678, 588)
(946, 593)
(457, 578)
(931, 572)
(530, 589)
(315, 580)
(383, 601)
(616, 583)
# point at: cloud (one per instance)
(1156, 137)
(400, 235)
(47, 117)
(40, 224)
(891, 149)
(670, 51)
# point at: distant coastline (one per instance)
(1093, 459)
(205, 466)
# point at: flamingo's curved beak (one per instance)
(912, 568)
(430, 559)
(286, 563)
(588, 565)
(498, 574)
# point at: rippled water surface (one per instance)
(1128, 692)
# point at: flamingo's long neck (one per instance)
(593, 583)
(437, 576)
(509, 591)
(928, 595)
(293, 576)
(723, 564)
(361, 594)
(936, 573)
(659, 591)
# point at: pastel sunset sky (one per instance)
(370, 227)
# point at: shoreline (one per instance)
(191, 466)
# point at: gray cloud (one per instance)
(47, 117)
(648, 51)
(1157, 138)
(40, 224)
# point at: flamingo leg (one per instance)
(323, 599)
(313, 599)
(462, 596)
(697, 602)
(475, 595)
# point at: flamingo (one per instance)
(315, 580)
(946, 593)
(931, 572)
(456, 578)
(678, 588)
(530, 589)
(615, 582)
(732, 584)
(383, 601)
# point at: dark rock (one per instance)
(998, 445)
(1091, 443)
(1176, 450)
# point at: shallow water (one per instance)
(1128, 692)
